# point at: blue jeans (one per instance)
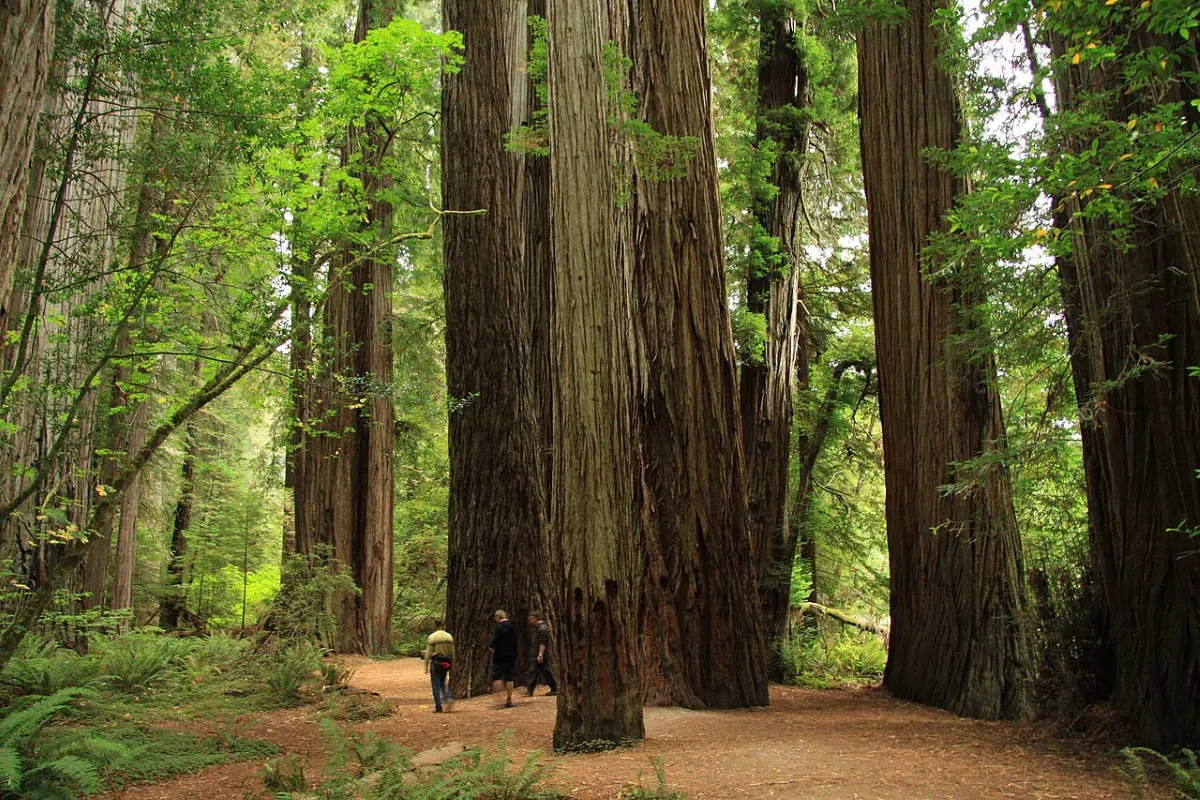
(439, 678)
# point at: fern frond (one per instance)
(22, 724)
(10, 768)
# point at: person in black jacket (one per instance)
(504, 655)
(539, 655)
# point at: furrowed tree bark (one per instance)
(497, 304)
(594, 536)
(173, 604)
(767, 386)
(1133, 316)
(348, 468)
(957, 607)
(700, 612)
(26, 45)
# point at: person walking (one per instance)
(504, 655)
(539, 655)
(439, 657)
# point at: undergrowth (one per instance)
(1143, 767)
(825, 657)
(367, 767)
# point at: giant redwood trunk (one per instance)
(700, 610)
(958, 639)
(26, 44)
(767, 386)
(1133, 315)
(594, 546)
(349, 493)
(497, 297)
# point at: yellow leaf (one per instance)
(1091, 45)
(1126, 155)
(1041, 233)
(1075, 59)
(100, 490)
(1153, 182)
(1132, 123)
(1105, 186)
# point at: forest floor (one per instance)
(807, 744)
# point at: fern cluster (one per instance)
(35, 765)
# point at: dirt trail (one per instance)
(807, 744)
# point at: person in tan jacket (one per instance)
(439, 657)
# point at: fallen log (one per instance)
(870, 626)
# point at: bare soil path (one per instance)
(807, 744)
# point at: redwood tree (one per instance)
(497, 306)
(595, 542)
(958, 638)
(348, 462)
(768, 380)
(700, 610)
(26, 45)
(1131, 286)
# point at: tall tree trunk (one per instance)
(173, 604)
(594, 549)
(496, 293)
(349, 474)
(773, 290)
(958, 635)
(700, 612)
(26, 44)
(1133, 315)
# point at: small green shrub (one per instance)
(660, 792)
(336, 675)
(293, 667)
(1183, 772)
(214, 654)
(366, 767)
(284, 774)
(136, 661)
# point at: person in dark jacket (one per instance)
(539, 655)
(504, 655)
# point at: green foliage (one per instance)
(157, 754)
(336, 674)
(293, 667)
(300, 612)
(661, 790)
(44, 668)
(368, 767)
(830, 655)
(33, 764)
(136, 661)
(285, 774)
(1182, 772)
(534, 139)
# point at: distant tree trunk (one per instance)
(349, 496)
(767, 386)
(26, 45)
(594, 546)
(497, 298)
(1133, 315)
(958, 638)
(173, 604)
(126, 555)
(300, 352)
(700, 615)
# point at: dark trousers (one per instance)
(542, 674)
(439, 679)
